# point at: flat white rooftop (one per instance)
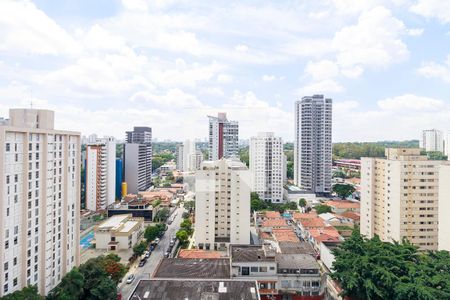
(128, 226)
(114, 222)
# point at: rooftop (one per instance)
(312, 223)
(296, 261)
(114, 222)
(194, 253)
(155, 289)
(248, 253)
(216, 268)
(300, 216)
(343, 204)
(285, 235)
(296, 248)
(351, 215)
(275, 223)
(272, 214)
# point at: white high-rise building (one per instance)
(222, 204)
(401, 197)
(312, 146)
(40, 201)
(179, 156)
(188, 153)
(100, 173)
(138, 159)
(266, 166)
(223, 137)
(432, 140)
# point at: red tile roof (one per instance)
(193, 253)
(285, 235)
(272, 215)
(317, 222)
(343, 204)
(274, 223)
(325, 234)
(351, 215)
(300, 216)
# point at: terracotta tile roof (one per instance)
(300, 216)
(343, 204)
(313, 223)
(193, 253)
(274, 223)
(325, 234)
(272, 215)
(265, 235)
(351, 215)
(285, 235)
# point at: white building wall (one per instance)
(444, 209)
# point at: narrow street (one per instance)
(147, 270)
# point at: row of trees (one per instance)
(151, 232)
(185, 231)
(372, 269)
(257, 204)
(372, 149)
(96, 279)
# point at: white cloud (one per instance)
(416, 31)
(25, 28)
(436, 70)
(373, 42)
(321, 70)
(173, 98)
(224, 78)
(320, 87)
(317, 47)
(268, 77)
(411, 102)
(439, 9)
(241, 48)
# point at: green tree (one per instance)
(243, 155)
(290, 170)
(290, 206)
(302, 202)
(70, 287)
(27, 293)
(372, 269)
(321, 209)
(152, 232)
(97, 283)
(186, 225)
(140, 248)
(162, 215)
(343, 190)
(112, 266)
(157, 162)
(189, 205)
(339, 174)
(436, 155)
(182, 236)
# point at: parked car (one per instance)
(130, 279)
(156, 241)
(172, 242)
(142, 262)
(167, 254)
(152, 247)
(147, 254)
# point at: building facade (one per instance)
(119, 232)
(444, 208)
(400, 197)
(222, 204)
(138, 159)
(267, 166)
(119, 178)
(223, 137)
(40, 207)
(100, 173)
(313, 142)
(432, 140)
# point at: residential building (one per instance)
(223, 137)
(179, 157)
(40, 201)
(444, 208)
(188, 157)
(400, 197)
(138, 159)
(119, 232)
(136, 206)
(222, 204)
(432, 140)
(267, 166)
(312, 146)
(100, 173)
(341, 206)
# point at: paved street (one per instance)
(153, 261)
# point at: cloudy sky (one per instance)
(105, 66)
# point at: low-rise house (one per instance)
(336, 220)
(299, 274)
(255, 263)
(285, 235)
(118, 232)
(351, 217)
(340, 206)
(270, 224)
(325, 234)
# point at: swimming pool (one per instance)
(86, 240)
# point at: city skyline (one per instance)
(107, 66)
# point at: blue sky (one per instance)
(106, 66)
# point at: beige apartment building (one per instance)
(222, 204)
(119, 232)
(400, 197)
(40, 196)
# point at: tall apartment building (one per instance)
(100, 173)
(266, 166)
(400, 197)
(187, 157)
(312, 146)
(179, 157)
(222, 204)
(432, 140)
(444, 208)
(138, 159)
(40, 201)
(223, 137)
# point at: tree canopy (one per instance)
(302, 202)
(321, 209)
(28, 293)
(372, 269)
(343, 190)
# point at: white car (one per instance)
(156, 241)
(130, 279)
